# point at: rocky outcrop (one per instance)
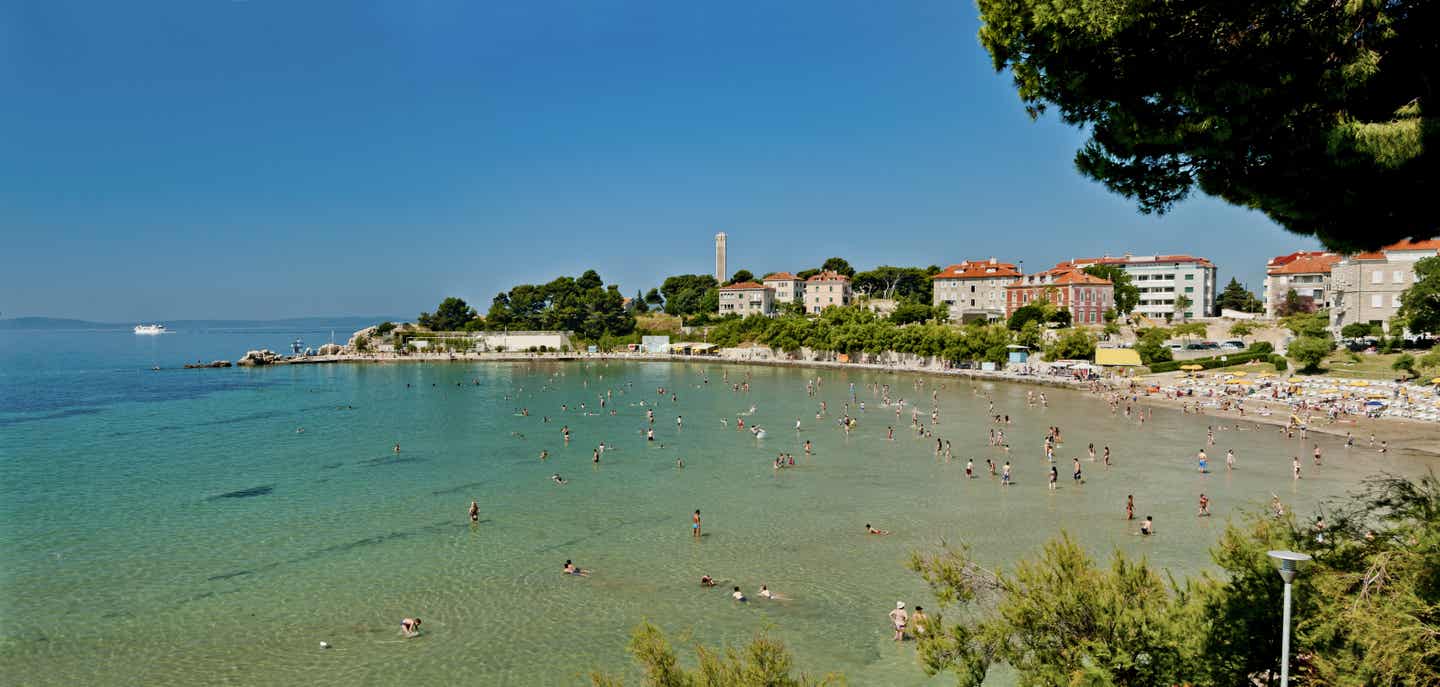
(257, 358)
(330, 349)
(214, 363)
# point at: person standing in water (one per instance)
(1130, 507)
(475, 511)
(1005, 474)
(695, 524)
(1204, 506)
(899, 618)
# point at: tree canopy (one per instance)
(583, 305)
(740, 276)
(451, 316)
(1420, 304)
(1127, 295)
(1236, 297)
(905, 283)
(1314, 113)
(840, 265)
(686, 294)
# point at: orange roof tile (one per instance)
(1062, 274)
(780, 276)
(828, 276)
(1316, 262)
(1431, 244)
(744, 286)
(972, 269)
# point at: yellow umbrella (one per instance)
(1192, 367)
(1295, 380)
(1359, 382)
(1241, 374)
(1435, 380)
(1376, 395)
(1267, 374)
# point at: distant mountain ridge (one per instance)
(57, 323)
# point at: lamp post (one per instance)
(1289, 564)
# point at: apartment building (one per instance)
(1162, 279)
(788, 287)
(1087, 297)
(826, 289)
(1366, 287)
(1307, 273)
(974, 290)
(747, 298)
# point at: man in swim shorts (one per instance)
(899, 618)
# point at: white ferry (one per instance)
(149, 329)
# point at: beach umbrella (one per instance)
(1374, 403)
(1192, 368)
(1359, 382)
(1241, 374)
(1267, 374)
(1435, 380)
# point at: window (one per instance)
(1377, 277)
(972, 288)
(1398, 277)
(1375, 298)
(1189, 277)
(1189, 289)
(1394, 300)
(972, 302)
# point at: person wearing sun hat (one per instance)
(899, 618)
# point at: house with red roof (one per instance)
(1067, 287)
(974, 290)
(826, 289)
(1306, 272)
(1366, 287)
(788, 287)
(747, 298)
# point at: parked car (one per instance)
(1232, 345)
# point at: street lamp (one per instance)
(1289, 564)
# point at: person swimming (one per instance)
(556, 478)
(572, 569)
(474, 511)
(707, 581)
(1147, 526)
(410, 627)
(872, 530)
(738, 595)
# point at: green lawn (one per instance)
(1370, 366)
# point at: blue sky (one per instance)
(257, 158)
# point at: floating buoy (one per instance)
(324, 645)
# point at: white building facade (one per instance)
(1162, 279)
(826, 289)
(788, 287)
(747, 298)
(1307, 273)
(1366, 287)
(974, 290)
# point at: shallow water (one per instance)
(174, 527)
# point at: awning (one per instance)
(1116, 356)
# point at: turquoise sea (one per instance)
(174, 527)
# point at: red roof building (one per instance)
(1085, 296)
(974, 290)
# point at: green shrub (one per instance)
(1279, 362)
(1261, 347)
(1210, 363)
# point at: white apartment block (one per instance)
(1307, 273)
(1366, 287)
(974, 290)
(788, 287)
(826, 289)
(747, 298)
(1162, 279)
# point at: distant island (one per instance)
(345, 322)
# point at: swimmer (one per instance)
(679, 462)
(410, 627)
(474, 511)
(1147, 526)
(872, 530)
(556, 478)
(1204, 506)
(738, 595)
(397, 447)
(706, 581)
(1130, 507)
(544, 454)
(572, 569)
(695, 524)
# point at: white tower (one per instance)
(720, 274)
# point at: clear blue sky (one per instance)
(257, 158)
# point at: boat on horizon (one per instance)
(149, 329)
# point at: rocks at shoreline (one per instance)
(214, 363)
(258, 358)
(330, 349)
